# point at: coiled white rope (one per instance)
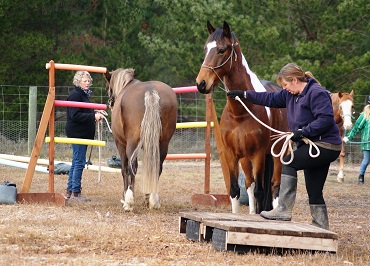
(281, 136)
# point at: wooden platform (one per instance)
(240, 232)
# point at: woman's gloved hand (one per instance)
(297, 135)
(235, 93)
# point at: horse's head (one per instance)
(116, 81)
(219, 52)
(108, 88)
(346, 108)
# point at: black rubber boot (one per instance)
(287, 195)
(361, 179)
(319, 215)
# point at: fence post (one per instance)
(32, 110)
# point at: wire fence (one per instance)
(14, 115)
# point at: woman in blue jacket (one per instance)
(310, 115)
(362, 124)
(80, 124)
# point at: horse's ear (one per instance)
(107, 76)
(352, 93)
(210, 28)
(340, 94)
(226, 30)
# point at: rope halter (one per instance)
(232, 54)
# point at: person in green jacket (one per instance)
(362, 124)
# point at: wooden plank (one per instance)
(281, 241)
(39, 140)
(202, 216)
(270, 227)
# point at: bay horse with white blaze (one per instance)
(144, 116)
(245, 140)
(343, 108)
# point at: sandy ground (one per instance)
(101, 233)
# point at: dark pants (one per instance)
(315, 170)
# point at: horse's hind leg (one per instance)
(152, 199)
(128, 183)
(275, 182)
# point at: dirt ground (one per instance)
(101, 233)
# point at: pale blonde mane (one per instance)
(120, 78)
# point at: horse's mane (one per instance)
(120, 78)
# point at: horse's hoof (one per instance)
(155, 206)
(127, 208)
(340, 179)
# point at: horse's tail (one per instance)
(150, 133)
(269, 170)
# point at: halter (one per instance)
(233, 52)
(351, 116)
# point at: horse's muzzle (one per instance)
(202, 87)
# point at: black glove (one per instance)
(235, 93)
(297, 135)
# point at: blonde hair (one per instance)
(78, 77)
(367, 111)
(290, 71)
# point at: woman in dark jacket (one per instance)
(310, 115)
(80, 124)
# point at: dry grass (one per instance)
(101, 233)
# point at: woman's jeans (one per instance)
(365, 162)
(78, 164)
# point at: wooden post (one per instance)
(51, 130)
(32, 112)
(207, 177)
(222, 152)
(46, 118)
(207, 198)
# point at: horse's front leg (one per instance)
(233, 166)
(340, 176)
(249, 184)
(258, 164)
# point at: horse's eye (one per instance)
(221, 51)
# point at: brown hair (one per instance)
(290, 71)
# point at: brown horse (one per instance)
(343, 108)
(244, 139)
(144, 116)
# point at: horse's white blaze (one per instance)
(154, 201)
(252, 200)
(256, 83)
(347, 114)
(210, 46)
(128, 202)
(234, 205)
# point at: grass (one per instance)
(101, 233)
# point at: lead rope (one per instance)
(100, 133)
(281, 136)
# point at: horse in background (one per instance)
(144, 116)
(244, 139)
(343, 108)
